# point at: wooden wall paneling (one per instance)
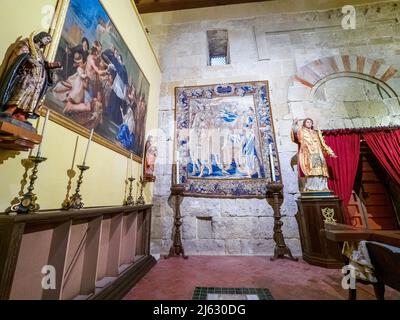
(58, 258)
(10, 242)
(114, 251)
(110, 247)
(147, 6)
(104, 248)
(139, 235)
(91, 258)
(148, 232)
(129, 224)
(33, 255)
(73, 243)
(75, 260)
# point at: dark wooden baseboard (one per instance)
(118, 289)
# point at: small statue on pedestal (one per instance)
(149, 160)
(312, 149)
(25, 81)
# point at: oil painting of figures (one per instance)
(100, 86)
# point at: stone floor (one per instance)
(176, 279)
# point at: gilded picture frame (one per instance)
(225, 140)
(120, 146)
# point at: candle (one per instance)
(39, 151)
(272, 163)
(177, 168)
(87, 147)
(76, 146)
(131, 166)
(127, 168)
(142, 166)
(37, 128)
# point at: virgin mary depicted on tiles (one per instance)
(225, 137)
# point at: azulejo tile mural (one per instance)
(212, 293)
(225, 140)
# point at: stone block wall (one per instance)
(272, 46)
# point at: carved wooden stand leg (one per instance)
(177, 248)
(275, 200)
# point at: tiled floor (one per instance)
(176, 279)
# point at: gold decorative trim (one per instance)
(328, 214)
(73, 126)
(57, 24)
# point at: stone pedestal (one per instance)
(312, 214)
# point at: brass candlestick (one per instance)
(71, 173)
(177, 248)
(126, 190)
(141, 184)
(275, 199)
(27, 164)
(27, 202)
(129, 201)
(67, 202)
(76, 199)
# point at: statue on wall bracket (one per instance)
(24, 82)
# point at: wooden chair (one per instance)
(386, 261)
(384, 251)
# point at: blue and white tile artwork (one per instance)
(224, 139)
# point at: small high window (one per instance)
(218, 53)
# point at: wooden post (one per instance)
(275, 200)
(177, 247)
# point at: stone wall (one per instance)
(277, 47)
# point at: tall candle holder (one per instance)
(76, 199)
(126, 190)
(71, 173)
(129, 201)
(27, 202)
(27, 164)
(275, 200)
(141, 184)
(177, 191)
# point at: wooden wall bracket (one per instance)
(13, 137)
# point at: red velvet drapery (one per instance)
(343, 169)
(386, 147)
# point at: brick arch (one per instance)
(319, 71)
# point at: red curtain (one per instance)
(386, 147)
(343, 169)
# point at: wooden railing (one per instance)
(95, 253)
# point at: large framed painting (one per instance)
(100, 86)
(225, 140)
